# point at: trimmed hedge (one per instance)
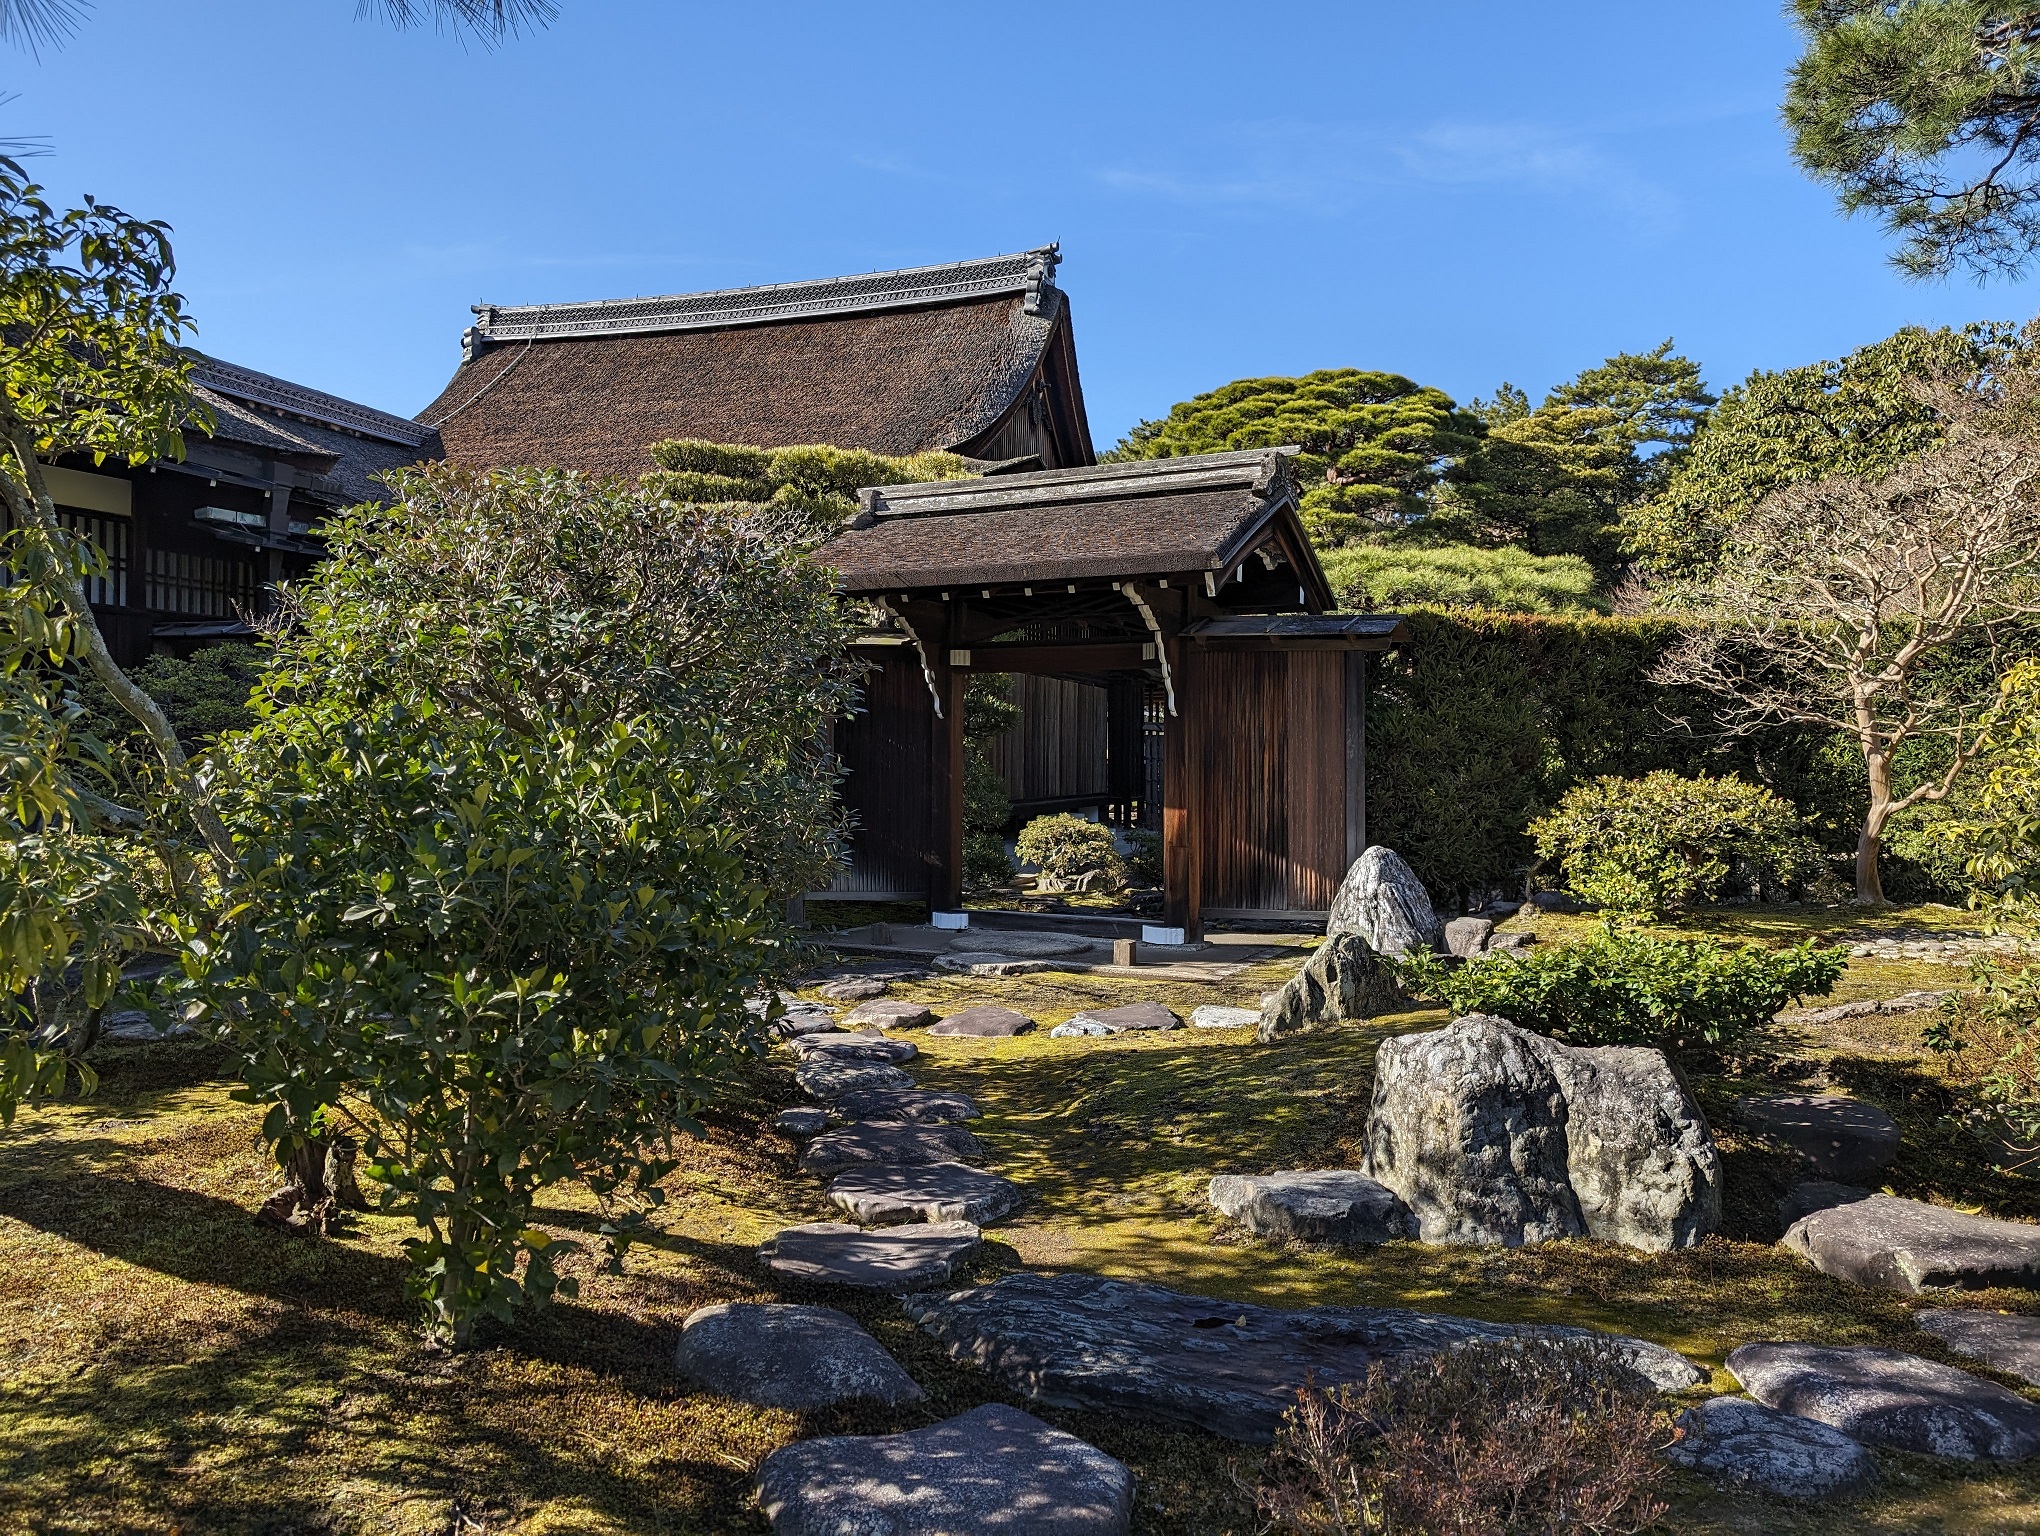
(1481, 721)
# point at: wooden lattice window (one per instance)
(201, 586)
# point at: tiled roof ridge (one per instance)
(1252, 469)
(264, 389)
(1021, 272)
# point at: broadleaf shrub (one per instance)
(1655, 844)
(1512, 1437)
(1627, 988)
(1992, 1035)
(531, 765)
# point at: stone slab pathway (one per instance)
(789, 1357)
(868, 1142)
(1908, 1245)
(907, 1106)
(1329, 1206)
(1844, 1139)
(853, 1047)
(1742, 1444)
(2005, 1341)
(898, 1259)
(828, 1079)
(995, 1470)
(986, 1021)
(880, 1196)
(1886, 1397)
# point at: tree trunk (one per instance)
(1870, 839)
(320, 1184)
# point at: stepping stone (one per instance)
(802, 1121)
(1844, 1139)
(1742, 1444)
(1887, 1397)
(2008, 1341)
(986, 962)
(899, 1144)
(1213, 1016)
(1020, 946)
(898, 1260)
(788, 1357)
(1129, 1016)
(856, 989)
(1151, 1354)
(1336, 1206)
(827, 1079)
(1078, 1028)
(994, 1470)
(878, 1196)
(1816, 1195)
(800, 1018)
(860, 1047)
(987, 1021)
(1908, 1245)
(890, 1013)
(907, 1106)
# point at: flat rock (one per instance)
(1129, 1016)
(1382, 900)
(1889, 1398)
(828, 1079)
(1077, 1028)
(986, 1021)
(993, 1470)
(898, 1260)
(1811, 1195)
(853, 1047)
(1021, 945)
(1742, 1444)
(1082, 1341)
(1844, 1139)
(1217, 1016)
(906, 1106)
(1908, 1245)
(1467, 936)
(801, 1121)
(856, 989)
(890, 1013)
(2006, 1341)
(882, 1143)
(1333, 1206)
(789, 1357)
(877, 1196)
(987, 962)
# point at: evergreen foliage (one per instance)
(1922, 113)
(813, 479)
(1066, 848)
(988, 711)
(1406, 574)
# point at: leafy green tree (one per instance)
(1861, 414)
(1925, 114)
(531, 764)
(1374, 445)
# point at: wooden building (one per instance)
(1187, 582)
(193, 545)
(976, 357)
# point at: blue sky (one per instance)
(1464, 194)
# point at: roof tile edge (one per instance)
(265, 389)
(1031, 273)
(1255, 469)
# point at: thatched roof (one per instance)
(897, 362)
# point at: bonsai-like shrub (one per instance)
(1504, 1437)
(1625, 988)
(1066, 848)
(1652, 845)
(532, 763)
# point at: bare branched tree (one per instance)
(1842, 603)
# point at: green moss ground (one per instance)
(168, 1366)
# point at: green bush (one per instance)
(1067, 847)
(533, 762)
(986, 864)
(1404, 575)
(1144, 856)
(1625, 988)
(811, 478)
(1652, 845)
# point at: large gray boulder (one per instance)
(1908, 1245)
(1492, 1134)
(1742, 1444)
(788, 1357)
(1344, 979)
(1382, 900)
(1231, 1367)
(1328, 1206)
(1887, 1397)
(994, 1470)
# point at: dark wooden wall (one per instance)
(1057, 751)
(1271, 749)
(888, 753)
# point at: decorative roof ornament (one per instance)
(1029, 273)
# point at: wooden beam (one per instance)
(946, 894)
(1182, 829)
(1070, 656)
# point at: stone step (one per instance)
(876, 1196)
(1886, 1397)
(891, 1144)
(789, 1357)
(1327, 1206)
(1908, 1245)
(899, 1259)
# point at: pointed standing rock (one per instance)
(1383, 901)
